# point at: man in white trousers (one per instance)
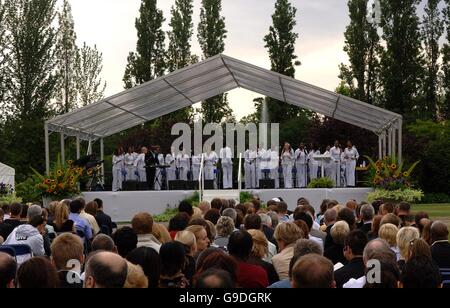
(210, 161)
(196, 163)
(129, 165)
(336, 163)
(139, 164)
(225, 156)
(184, 165)
(250, 168)
(274, 165)
(351, 155)
(171, 170)
(301, 160)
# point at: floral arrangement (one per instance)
(61, 182)
(7, 193)
(392, 181)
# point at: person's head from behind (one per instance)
(105, 269)
(161, 233)
(99, 203)
(126, 240)
(377, 249)
(281, 208)
(61, 214)
(252, 221)
(403, 209)
(64, 249)
(347, 215)
(388, 232)
(179, 222)
(172, 256)
(322, 277)
(389, 274)
(354, 244)
(339, 232)
(330, 217)
(142, 223)
(212, 215)
(225, 226)
(8, 268)
(33, 211)
(15, 210)
(201, 237)
(103, 242)
(91, 208)
(367, 212)
(240, 245)
(204, 206)
(304, 216)
(387, 208)
(185, 207)
(390, 219)
(230, 212)
(214, 278)
(304, 246)
(405, 236)
(216, 203)
(352, 205)
(76, 206)
(148, 259)
(187, 238)
(136, 278)
(217, 259)
(38, 222)
(286, 234)
(438, 231)
(37, 272)
(420, 273)
(419, 248)
(260, 247)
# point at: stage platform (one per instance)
(121, 206)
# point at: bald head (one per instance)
(375, 247)
(321, 277)
(105, 270)
(439, 231)
(8, 268)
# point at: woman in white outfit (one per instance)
(301, 158)
(171, 170)
(196, 162)
(249, 168)
(118, 169)
(312, 163)
(159, 171)
(129, 165)
(336, 163)
(351, 155)
(327, 164)
(274, 165)
(227, 167)
(210, 161)
(184, 165)
(287, 161)
(139, 164)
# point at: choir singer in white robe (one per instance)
(351, 155)
(227, 167)
(139, 164)
(336, 163)
(250, 168)
(300, 164)
(184, 165)
(118, 169)
(287, 161)
(210, 160)
(129, 165)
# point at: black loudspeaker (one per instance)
(209, 184)
(130, 186)
(191, 185)
(142, 186)
(176, 185)
(267, 184)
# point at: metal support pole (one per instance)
(78, 147)
(47, 150)
(380, 147)
(102, 155)
(63, 150)
(400, 141)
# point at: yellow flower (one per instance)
(47, 181)
(70, 162)
(405, 174)
(72, 183)
(59, 173)
(394, 167)
(378, 172)
(386, 158)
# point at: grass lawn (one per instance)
(435, 211)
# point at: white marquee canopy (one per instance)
(209, 78)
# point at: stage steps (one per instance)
(208, 195)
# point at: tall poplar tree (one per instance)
(444, 108)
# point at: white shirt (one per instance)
(196, 160)
(183, 161)
(250, 157)
(274, 159)
(170, 160)
(210, 159)
(351, 154)
(336, 153)
(140, 161)
(300, 156)
(287, 157)
(225, 156)
(129, 159)
(118, 161)
(355, 283)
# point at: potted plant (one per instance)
(321, 183)
(392, 182)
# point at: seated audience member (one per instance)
(103, 242)
(367, 213)
(391, 219)
(224, 227)
(402, 210)
(103, 219)
(218, 259)
(178, 223)
(339, 232)
(212, 215)
(256, 206)
(161, 233)
(172, 258)
(230, 212)
(440, 247)
(80, 223)
(136, 278)
(201, 238)
(266, 222)
(214, 278)
(404, 238)
(204, 206)
(420, 273)
(254, 222)
(142, 224)
(217, 204)
(387, 208)
(315, 229)
(185, 207)
(148, 259)
(206, 225)
(105, 269)
(389, 274)
(354, 245)
(426, 231)
(15, 215)
(321, 277)
(418, 220)
(61, 221)
(274, 217)
(67, 249)
(329, 219)
(248, 275)
(8, 268)
(125, 240)
(89, 217)
(388, 232)
(376, 206)
(286, 234)
(260, 250)
(300, 215)
(348, 216)
(352, 205)
(187, 238)
(5, 228)
(282, 211)
(376, 222)
(37, 273)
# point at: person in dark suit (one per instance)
(440, 248)
(102, 218)
(151, 159)
(338, 232)
(354, 245)
(367, 213)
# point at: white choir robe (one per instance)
(139, 164)
(117, 171)
(343, 171)
(159, 176)
(301, 158)
(196, 163)
(351, 156)
(258, 166)
(171, 170)
(250, 169)
(313, 165)
(227, 167)
(336, 165)
(287, 161)
(327, 165)
(210, 160)
(184, 166)
(274, 165)
(129, 167)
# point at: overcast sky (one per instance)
(320, 23)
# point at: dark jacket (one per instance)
(354, 269)
(336, 254)
(366, 228)
(441, 254)
(104, 220)
(270, 269)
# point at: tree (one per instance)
(32, 65)
(88, 68)
(445, 107)
(402, 62)
(280, 43)
(4, 71)
(362, 47)
(66, 55)
(211, 37)
(148, 62)
(432, 30)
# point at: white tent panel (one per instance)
(7, 174)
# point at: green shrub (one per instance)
(432, 198)
(408, 195)
(245, 197)
(10, 198)
(167, 215)
(27, 190)
(321, 183)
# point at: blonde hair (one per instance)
(339, 232)
(160, 232)
(204, 206)
(196, 229)
(212, 230)
(225, 226)
(338, 208)
(135, 277)
(52, 206)
(288, 232)
(404, 238)
(65, 247)
(186, 238)
(197, 212)
(388, 232)
(260, 245)
(61, 214)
